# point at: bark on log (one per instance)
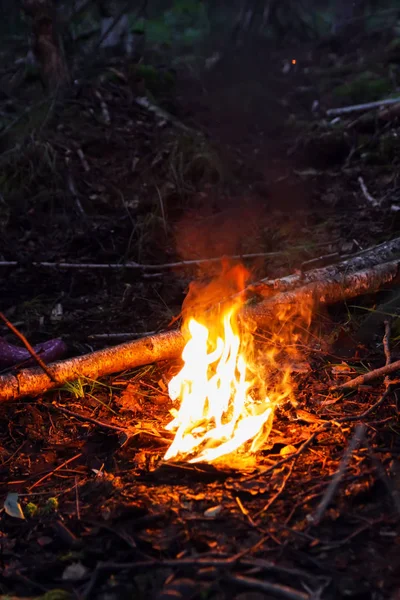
(31, 382)
(366, 259)
(164, 346)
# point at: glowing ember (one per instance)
(224, 407)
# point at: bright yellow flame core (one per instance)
(217, 413)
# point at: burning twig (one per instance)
(334, 484)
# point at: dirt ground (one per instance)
(245, 166)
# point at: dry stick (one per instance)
(167, 345)
(277, 590)
(386, 346)
(54, 471)
(368, 411)
(27, 345)
(368, 377)
(85, 418)
(104, 108)
(197, 563)
(129, 431)
(278, 493)
(366, 258)
(360, 107)
(388, 383)
(366, 193)
(78, 511)
(83, 160)
(120, 335)
(334, 484)
(142, 267)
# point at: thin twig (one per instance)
(386, 343)
(360, 107)
(73, 190)
(320, 261)
(303, 447)
(28, 346)
(368, 377)
(278, 493)
(366, 193)
(276, 589)
(334, 484)
(142, 267)
(120, 335)
(54, 471)
(368, 411)
(85, 418)
(104, 108)
(78, 510)
(83, 160)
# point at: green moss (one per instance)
(50, 506)
(366, 87)
(31, 509)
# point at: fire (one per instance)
(224, 407)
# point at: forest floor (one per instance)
(245, 166)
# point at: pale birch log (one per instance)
(168, 345)
(366, 259)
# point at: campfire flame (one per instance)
(224, 406)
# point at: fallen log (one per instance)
(164, 346)
(366, 259)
